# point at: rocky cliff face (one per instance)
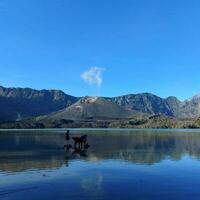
(19, 103)
(191, 108)
(152, 104)
(145, 102)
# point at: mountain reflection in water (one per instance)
(21, 151)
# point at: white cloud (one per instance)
(93, 76)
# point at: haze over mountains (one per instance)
(20, 103)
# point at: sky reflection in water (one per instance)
(128, 165)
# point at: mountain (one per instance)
(175, 106)
(19, 103)
(146, 103)
(191, 108)
(152, 104)
(92, 108)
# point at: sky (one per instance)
(101, 47)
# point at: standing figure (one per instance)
(67, 137)
(68, 146)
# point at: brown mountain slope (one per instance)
(92, 108)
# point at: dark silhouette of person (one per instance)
(67, 137)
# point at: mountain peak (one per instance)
(89, 99)
(195, 97)
(92, 107)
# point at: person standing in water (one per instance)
(67, 137)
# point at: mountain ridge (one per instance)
(20, 103)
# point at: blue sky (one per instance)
(141, 45)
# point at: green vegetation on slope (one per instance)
(157, 121)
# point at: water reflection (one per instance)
(21, 151)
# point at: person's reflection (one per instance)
(66, 161)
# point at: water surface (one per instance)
(118, 165)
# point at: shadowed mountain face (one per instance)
(92, 108)
(18, 103)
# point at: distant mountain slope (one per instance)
(175, 106)
(18, 103)
(191, 108)
(146, 103)
(92, 108)
(152, 104)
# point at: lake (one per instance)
(119, 164)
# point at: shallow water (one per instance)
(118, 165)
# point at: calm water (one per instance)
(118, 165)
